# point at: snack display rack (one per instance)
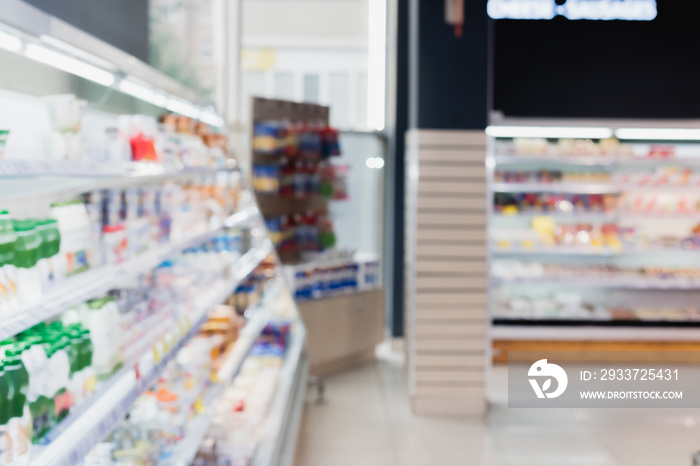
(290, 155)
(39, 180)
(594, 227)
(294, 181)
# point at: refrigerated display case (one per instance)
(594, 231)
(126, 225)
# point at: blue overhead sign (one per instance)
(625, 10)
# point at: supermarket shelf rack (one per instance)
(588, 251)
(197, 428)
(66, 179)
(34, 178)
(82, 430)
(92, 283)
(32, 168)
(592, 334)
(583, 188)
(639, 283)
(593, 160)
(282, 423)
(562, 329)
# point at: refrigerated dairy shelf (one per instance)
(557, 251)
(593, 160)
(80, 177)
(31, 168)
(593, 333)
(564, 322)
(276, 447)
(600, 216)
(583, 188)
(92, 283)
(198, 427)
(71, 440)
(588, 188)
(589, 251)
(609, 282)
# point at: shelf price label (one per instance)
(164, 345)
(156, 353)
(199, 406)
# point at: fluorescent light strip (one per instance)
(76, 52)
(160, 99)
(212, 119)
(79, 67)
(660, 134)
(553, 132)
(376, 65)
(137, 90)
(10, 42)
(143, 92)
(183, 107)
(69, 64)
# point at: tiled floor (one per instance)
(366, 421)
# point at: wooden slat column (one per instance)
(446, 271)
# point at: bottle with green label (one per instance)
(50, 247)
(8, 291)
(35, 361)
(5, 345)
(59, 364)
(26, 256)
(20, 418)
(45, 404)
(6, 395)
(88, 379)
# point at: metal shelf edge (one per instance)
(272, 442)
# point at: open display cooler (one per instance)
(143, 316)
(594, 233)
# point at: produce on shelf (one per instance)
(545, 233)
(506, 269)
(564, 203)
(576, 306)
(659, 203)
(552, 176)
(607, 148)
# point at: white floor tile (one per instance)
(367, 421)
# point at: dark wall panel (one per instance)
(394, 224)
(608, 69)
(122, 23)
(452, 72)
